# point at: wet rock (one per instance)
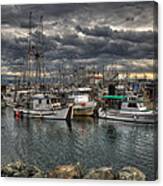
(66, 172)
(130, 173)
(19, 165)
(7, 171)
(37, 173)
(22, 173)
(103, 173)
(20, 169)
(11, 168)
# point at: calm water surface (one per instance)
(94, 143)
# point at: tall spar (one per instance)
(39, 56)
(35, 70)
(29, 60)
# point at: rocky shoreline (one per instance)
(71, 171)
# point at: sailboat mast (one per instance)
(28, 76)
(42, 70)
(39, 55)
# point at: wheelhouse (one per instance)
(113, 101)
(130, 103)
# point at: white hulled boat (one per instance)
(44, 106)
(83, 105)
(39, 103)
(123, 108)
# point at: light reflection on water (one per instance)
(90, 141)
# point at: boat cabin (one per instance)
(133, 106)
(130, 103)
(44, 102)
(41, 102)
(113, 101)
(81, 95)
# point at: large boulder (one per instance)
(66, 172)
(20, 169)
(130, 173)
(103, 173)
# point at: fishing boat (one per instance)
(126, 108)
(39, 103)
(43, 106)
(83, 105)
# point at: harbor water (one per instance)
(92, 142)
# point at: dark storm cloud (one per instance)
(13, 49)
(132, 14)
(73, 47)
(18, 14)
(101, 33)
(117, 43)
(97, 31)
(106, 31)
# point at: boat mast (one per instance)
(42, 51)
(28, 73)
(39, 56)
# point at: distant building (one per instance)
(137, 75)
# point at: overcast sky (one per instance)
(102, 33)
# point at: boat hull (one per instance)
(84, 110)
(60, 114)
(138, 117)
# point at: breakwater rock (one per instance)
(103, 173)
(71, 171)
(130, 173)
(66, 172)
(20, 169)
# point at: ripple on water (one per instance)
(94, 143)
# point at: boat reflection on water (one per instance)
(81, 119)
(92, 142)
(84, 125)
(109, 127)
(41, 124)
(111, 131)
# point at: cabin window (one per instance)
(47, 101)
(133, 105)
(132, 99)
(39, 101)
